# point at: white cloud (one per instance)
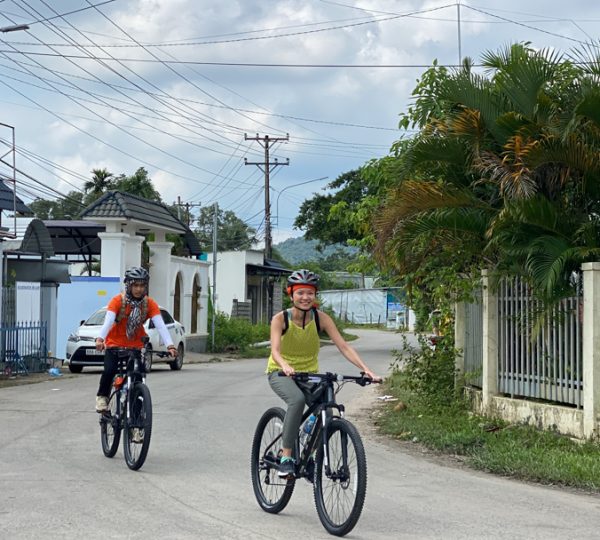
(199, 110)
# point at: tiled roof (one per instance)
(116, 204)
(7, 201)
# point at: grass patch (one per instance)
(517, 451)
(254, 352)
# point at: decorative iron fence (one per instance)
(473, 344)
(539, 350)
(8, 307)
(23, 348)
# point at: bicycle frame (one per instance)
(323, 405)
(129, 364)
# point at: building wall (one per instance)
(188, 269)
(231, 276)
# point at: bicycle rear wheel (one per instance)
(138, 427)
(110, 428)
(340, 492)
(271, 492)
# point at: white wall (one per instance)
(188, 269)
(231, 276)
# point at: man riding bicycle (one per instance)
(124, 328)
(295, 347)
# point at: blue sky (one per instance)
(175, 86)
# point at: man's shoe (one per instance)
(101, 404)
(137, 435)
(287, 468)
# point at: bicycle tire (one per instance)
(272, 493)
(110, 428)
(136, 444)
(339, 497)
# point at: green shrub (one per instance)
(233, 335)
(429, 373)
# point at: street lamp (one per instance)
(294, 185)
(14, 28)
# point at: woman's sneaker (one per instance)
(101, 404)
(287, 468)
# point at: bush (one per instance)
(233, 335)
(429, 373)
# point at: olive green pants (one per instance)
(296, 395)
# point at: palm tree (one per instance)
(507, 164)
(99, 184)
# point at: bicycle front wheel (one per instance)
(272, 493)
(341, 485)
(138, 427)
(110, 427)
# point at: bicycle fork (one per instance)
(325, 439)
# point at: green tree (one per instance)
(100, 183)
(232, 233)
(68, 207)
(325, 217)
(139, 184)
(503, 172)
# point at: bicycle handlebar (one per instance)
(361, 380)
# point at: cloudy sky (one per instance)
(182, 87)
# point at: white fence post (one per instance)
(460, 323)
(490, 342)
(591, 347)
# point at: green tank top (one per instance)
(300, 348)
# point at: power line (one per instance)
(292, 34)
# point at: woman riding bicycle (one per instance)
(124, 327)
(295, 347)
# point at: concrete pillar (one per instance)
(133, 251)
(591, 348)
(1, 281)
(160, 278)
(490, 342)
(113, 254)
(460, 327)
(48, 294)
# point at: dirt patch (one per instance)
(365, 410)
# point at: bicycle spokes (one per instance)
(340, 483)
(272, 492)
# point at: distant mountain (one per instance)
(297, 250)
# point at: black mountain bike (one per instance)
(332, 457)
(129, 410)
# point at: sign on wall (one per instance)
(28, 301)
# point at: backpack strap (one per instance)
(316, 317)
(121, 315)
(286, 320)
(144, 309)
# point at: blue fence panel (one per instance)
(23, 348)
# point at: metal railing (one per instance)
(8, 306)
(539, 349)
(23, 348)
(473, 344)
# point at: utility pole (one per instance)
(265, 167)
(188, 206)
(12, 151)
(459, 40)
(214, 284)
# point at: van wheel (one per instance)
(75, 369)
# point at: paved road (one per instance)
(55, 482)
